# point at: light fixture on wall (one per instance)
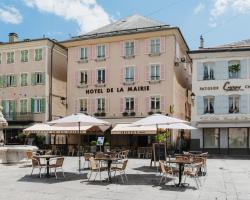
(192, 97)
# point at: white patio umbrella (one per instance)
(177, 126)
(79, 120)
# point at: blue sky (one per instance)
(220, 21)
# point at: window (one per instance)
(211, 137)
(84, 53)
(83, 77)
(129, 49)
(237, 138)
(10, 57)
(101, 76)
(83, 105)
(38, 78)
(24, 79)
(23, 106)
(9, 107)
(129, 74)
(24, 56)
(100, 104)
(38, 105)
(101, 51)
(38, 54)
(11, 80)
(155, 103)
(208, 71)
(234, 104)
(208, 105)
(129, 104)
(155, 72)
(155, 46)
(234, 69)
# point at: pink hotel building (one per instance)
(127, 70)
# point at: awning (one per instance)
(223, 125)
(125, 129)
(45, 128)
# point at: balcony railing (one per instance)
(18, 116)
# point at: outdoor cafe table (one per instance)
(109, 161)
(181, 164)
(47, 157)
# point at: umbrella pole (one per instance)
(79, 147)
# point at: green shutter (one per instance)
(14, 106)
(1, 81)
(4, 80)
(43, 105)
(32, 105)
(43, 78)
(3, 105)
(14, 80)
(33, 79)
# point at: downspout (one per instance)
(50, 80)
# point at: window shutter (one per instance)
(221, 70)
(4, 80)
(22, 80)
(88, 106)
(137, 74)
(106, 105)
(43, 105)
(147, 73)
(1, 81)
(107, 51)
(137, 47)
(106, 75)
(146, 46)
(162, 104)
(163, 44)
(14, 80)
(221, 104)
(43, 78)
(136, 105)
(14, 106)
(147, 104)
(199, 105)
(121, 105)
(121, 75)
(93, 105)
(244, 103)
(122, 44)
(243, 68)
(32, 105)
(3, 103)
(162, 68)
(200, 71)
(94, 52)
(33, 79)
(93, 76)
(77, 80)
(89, 53)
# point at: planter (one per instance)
(106, 148)
(132, 114)
(92, 149)
(125, 114)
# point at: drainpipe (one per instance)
(50, 82)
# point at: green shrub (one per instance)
(93, 143)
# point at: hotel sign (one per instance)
(117, 90)
(227, 86)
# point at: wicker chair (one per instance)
(95, 168)
(37, 164)
(167, 171)
(58, 165)
(86, 159)
(121, 169)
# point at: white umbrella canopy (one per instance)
(79, 120)
(177, 126)
(157, 119)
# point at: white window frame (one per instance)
(232, 108)
(129, 74)
(209, 99)
(101, 53)
(103, 79)
(84, 55)
(156, 68)
(155, 46)
(37, 105)
(10, 57)
(100, 104)
(26, 55)
(156, 99)
(129, 48)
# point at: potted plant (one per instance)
(93, 146)
(150, 113)
(234, 68)
(97, 114)
(132, 113)
(106, 146)
(102, 114)
(40, 140)
(22, 137)
(125, 113)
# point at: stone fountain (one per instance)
(12, 153)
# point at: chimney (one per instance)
(201, 42)
(13, 37)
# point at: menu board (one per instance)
(159, 152)
(100, 141)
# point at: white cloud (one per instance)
(10, 15)
(199, 8)
(88, 14)
(220, 7)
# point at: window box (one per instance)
(129, 83)
(154, 54)
(102, 114)
(100, 59)
(82, 86)
(154, 81)
(129, 57)
(132, 113)
(234, 68)
(100, 84)
(97, 114)
(150, 113)
(83, 60)
(125, 113)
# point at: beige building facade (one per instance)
(32, 81)
(129, 70)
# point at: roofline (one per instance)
(34, 40)
(126, 32)
(213, 50)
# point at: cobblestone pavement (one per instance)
(226, 179)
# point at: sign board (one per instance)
(100, 141)
(159, 152)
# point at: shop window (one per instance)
(211, 137)
(237, 138)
